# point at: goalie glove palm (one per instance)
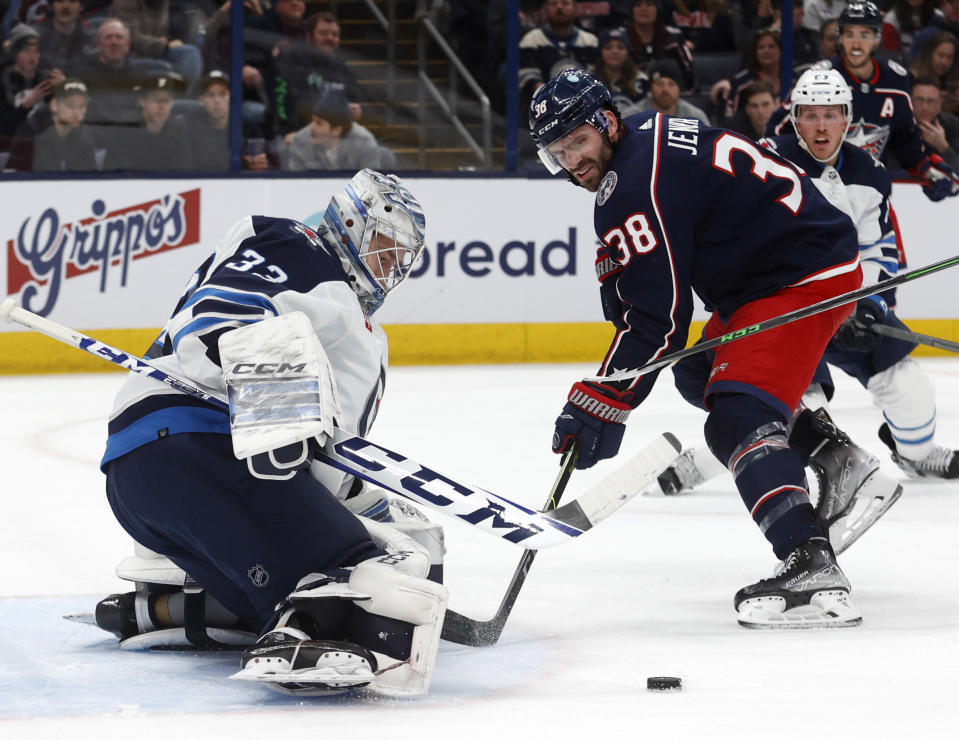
(595, 419)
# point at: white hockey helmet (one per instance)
(820, 87)
(377, 228)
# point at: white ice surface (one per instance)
(647, 593)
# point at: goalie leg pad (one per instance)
(417, 602)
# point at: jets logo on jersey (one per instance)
(606, 187)
(868, 136)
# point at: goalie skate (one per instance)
(287, 660)
(853, 494)
(807, 591)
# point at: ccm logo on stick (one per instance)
(417, 480)
(267, 368)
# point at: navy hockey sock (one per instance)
(750, 438)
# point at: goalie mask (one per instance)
(821, 87)
(377, 228)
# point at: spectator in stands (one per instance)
(149, 24)
(829, 39)
(208, 129)
(758, 104)
(947, 19)
(940, 130)
(555, 45)
(717, 37)
(216, 55)
(299, 71)
(705, 24)
(64, 36)
(666, 84)
(805, 40)
(266, 33)
(939, 59)
(332, 141)
(762, 63)
(901, 24)
(652, 39)
(25, 82)
(159, 142)
(817, 12)
(616, 69)
(67, 144)
(111, 81)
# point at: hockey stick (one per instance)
(910, 336)
(777, 321)
(406, 477)
(465, 631)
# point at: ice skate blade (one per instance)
(851, 527)
(826, 609)
(82, 618)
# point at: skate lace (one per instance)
(937, 461)
(686, 470)
(787, 564)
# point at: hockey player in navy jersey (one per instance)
(757, 241)
(860, 186)
(339, 601)
(882, 117)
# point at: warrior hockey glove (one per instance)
(595, 419)
(941, 180)
(855, 333)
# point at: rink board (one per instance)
(508, 275)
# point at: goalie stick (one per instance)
(777, 321)
(465, 631)
(493, 514)
(910, 336)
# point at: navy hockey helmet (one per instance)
(377, 228)
(861, 13)
(566, 102)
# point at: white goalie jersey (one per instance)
(262, 267)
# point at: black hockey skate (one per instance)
(288, 661)
(940, 463)
(808, 590)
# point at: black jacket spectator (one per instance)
(557, 44)
(159, 142)
(111, 79)
(65, 144)
(64, 37)
(24, 83)
(652, 39)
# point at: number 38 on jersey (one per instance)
(633, 238)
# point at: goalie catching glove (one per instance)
(594, 416)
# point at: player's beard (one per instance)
(597, 170)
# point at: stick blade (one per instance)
(614, 491)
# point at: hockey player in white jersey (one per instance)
(854, 494)
(280, 318)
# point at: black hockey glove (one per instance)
(855, 334)
(941, 181)
(594, 418)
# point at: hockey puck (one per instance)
(664, 683)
